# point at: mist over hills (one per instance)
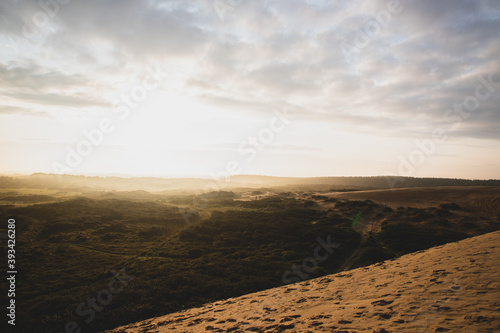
(189, 242)
(83, 183)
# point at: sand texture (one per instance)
(449, 288)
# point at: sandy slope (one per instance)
(449, 288)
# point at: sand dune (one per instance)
(449, 288)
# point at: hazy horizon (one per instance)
(205, 89)
(222, 180)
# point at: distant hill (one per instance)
(83, 183)
(362, 182)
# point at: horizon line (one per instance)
(123, 176)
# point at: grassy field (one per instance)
(183, 250)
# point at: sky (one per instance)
(215, 88)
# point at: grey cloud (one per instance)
(35, 77)
(35, 84)
(141, 28)
(274, 53)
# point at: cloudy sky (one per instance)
(218, 87)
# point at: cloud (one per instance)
(35, 77)
(31, 83)
(13, 110)
(76, 100)
(263, 56)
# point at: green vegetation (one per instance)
(226, 246)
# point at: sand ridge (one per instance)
(449, 288)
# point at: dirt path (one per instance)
(365, 229)
(364, 226)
